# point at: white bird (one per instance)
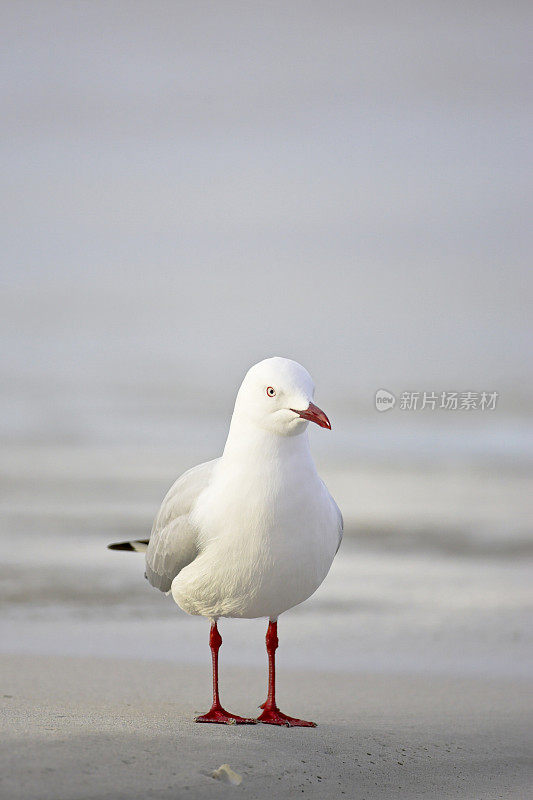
(254, 532)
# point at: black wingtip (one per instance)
(137, 546)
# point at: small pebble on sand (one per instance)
(227, 775)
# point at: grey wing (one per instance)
(173, 541)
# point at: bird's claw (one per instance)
(273, 716)
(222, 717)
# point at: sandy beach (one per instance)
(104, 728)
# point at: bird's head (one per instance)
(277, 395)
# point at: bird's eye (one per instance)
(271, 392)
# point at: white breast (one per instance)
(268, 536)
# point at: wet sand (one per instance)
(110, 728)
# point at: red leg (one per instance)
(271, 713)
(216, 712)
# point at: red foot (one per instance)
(273, 716)
(222, 717)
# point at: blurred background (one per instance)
(190, 187)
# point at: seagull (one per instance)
(252, 533)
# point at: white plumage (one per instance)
(253, 533)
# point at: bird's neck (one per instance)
(249, 444)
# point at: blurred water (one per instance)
(191, 187)
(434, 575)
(376, 611)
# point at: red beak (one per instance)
(314, 414)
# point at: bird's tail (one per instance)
(138, 546)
